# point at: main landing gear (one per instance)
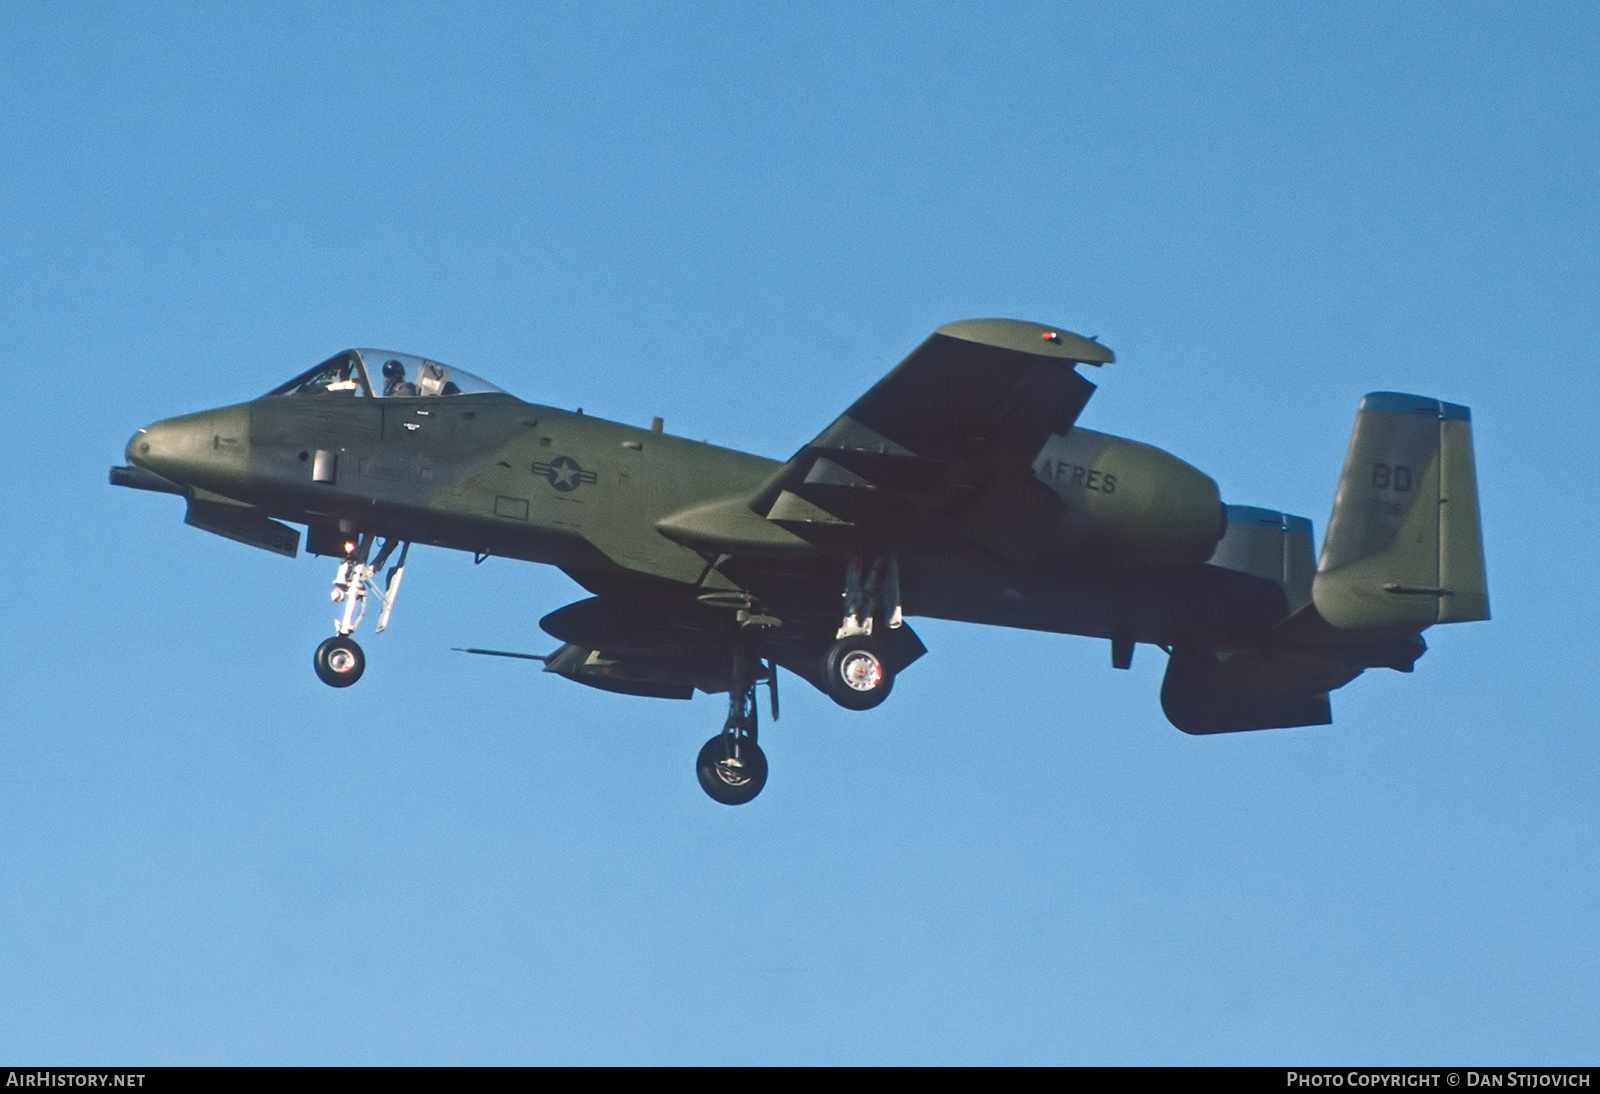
(731, 767)
(339, 661)
(855, 673)
(853, 669)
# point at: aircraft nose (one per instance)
(168, 446)
(209, 448)
(138, 448)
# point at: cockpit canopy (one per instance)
(378, 374)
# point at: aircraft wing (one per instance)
(946, 439)
(950, 433)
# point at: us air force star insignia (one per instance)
(564, 474)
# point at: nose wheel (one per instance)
(340, 662)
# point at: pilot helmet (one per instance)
(393, 370)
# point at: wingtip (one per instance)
(1039, 339)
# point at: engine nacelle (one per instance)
(1130, 503)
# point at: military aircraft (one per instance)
(959, 487)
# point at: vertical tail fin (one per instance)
(1404, 547)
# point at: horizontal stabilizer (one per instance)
(1404, 547)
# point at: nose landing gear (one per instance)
(339, 661)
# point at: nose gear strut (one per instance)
(339, 661)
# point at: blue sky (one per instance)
(738, 218)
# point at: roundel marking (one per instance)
(564, 474)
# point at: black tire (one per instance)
(731, 781)
(856, 677)
(340, 662)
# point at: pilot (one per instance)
(394, 379)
